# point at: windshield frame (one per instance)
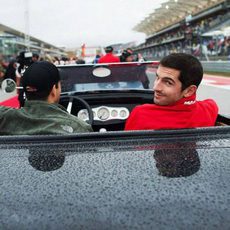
(130, 75)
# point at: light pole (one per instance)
(27, 26)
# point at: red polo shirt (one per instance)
(109, 58)
(185, 113)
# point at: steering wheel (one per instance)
(82, 102)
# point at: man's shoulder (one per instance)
(208, 102)
(115, 57)
(209, 105)
(6, 109)
(101, 59)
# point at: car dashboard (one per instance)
(105, 113)
(111, 108)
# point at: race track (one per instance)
(217, 88)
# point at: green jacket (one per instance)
(40, 117)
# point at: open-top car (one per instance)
(104, 95)
(111, 178)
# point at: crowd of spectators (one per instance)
(190, 38)
(13, 66)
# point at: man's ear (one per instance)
(52, 96)
(189, 91)
(53, 91)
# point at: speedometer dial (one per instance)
(83, 115)
(103, 113)
(123, 113)
(114, 113)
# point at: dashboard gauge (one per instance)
(114, 113)
(123, 113)
(103, 113)
(83, 115)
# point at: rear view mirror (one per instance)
(8, 85)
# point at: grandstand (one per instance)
(12, 41)
(199, 27)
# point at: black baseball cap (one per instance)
(40, 76)
(108, 49)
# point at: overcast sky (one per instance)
(70, 23)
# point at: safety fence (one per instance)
(216, 66)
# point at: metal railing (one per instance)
(216, 66)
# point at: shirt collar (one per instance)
(187, 100)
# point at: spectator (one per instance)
(129, 56)
(35, 57)
(109, 57)
(2, 69)
(11, 70)
(96, 59)
(126, 56)
(56, 61)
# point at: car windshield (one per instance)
(115, 76)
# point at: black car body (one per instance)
(112, 179)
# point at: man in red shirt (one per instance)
(109, 57)
(177, 79)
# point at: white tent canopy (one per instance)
(224, 31)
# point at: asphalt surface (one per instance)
(221, 96)
(217, 88)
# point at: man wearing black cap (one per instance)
(126, 56)
(41, 114)
(109, 57)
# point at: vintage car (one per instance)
(110, 178)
